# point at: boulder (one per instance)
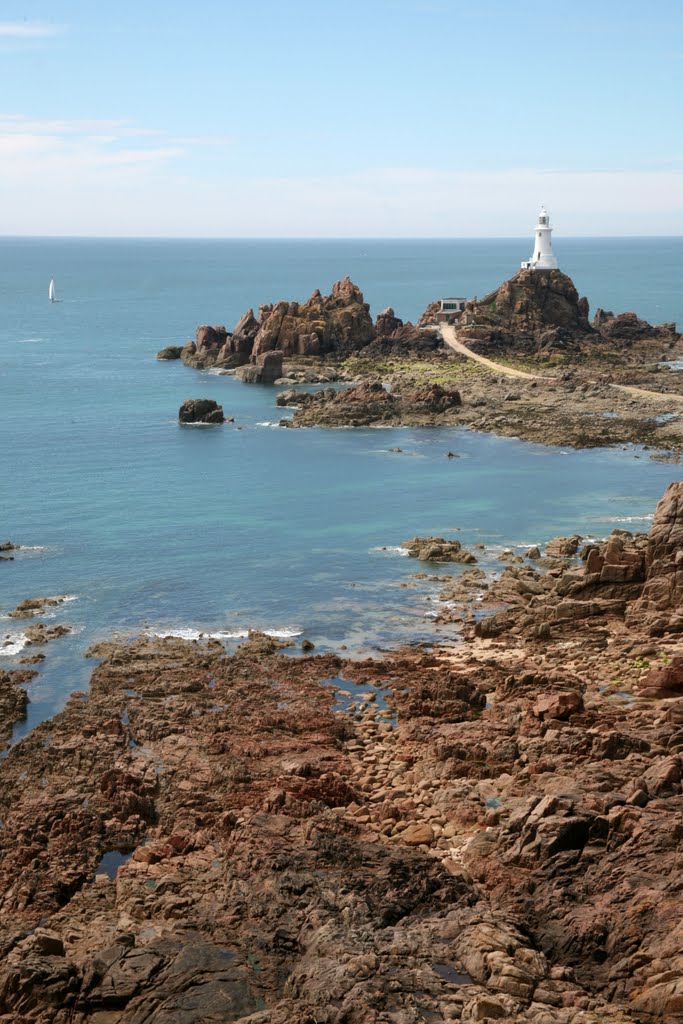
(436, 549)
(170, 352)
(201, 410)
(560, 705)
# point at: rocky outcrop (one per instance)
(371, 403)
(628, 327)
(436, 549)
(529, 312)
(635, 577)
(13, 699)
(32, 606)
(330, 326)
(486, 833)
(265, 370)
(660, 606)
(541, 313)
(170, 352)
(398, 339)
(338, 323)
(201, 410)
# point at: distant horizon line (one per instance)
(316, 238)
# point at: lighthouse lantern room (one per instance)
(542, 257)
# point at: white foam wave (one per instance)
(268, 423)
(391, 549)
(29, 341)
(189, 633)
(631, 519)
(12, 643)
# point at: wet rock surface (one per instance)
(486, 833)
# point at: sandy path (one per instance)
(448, 333)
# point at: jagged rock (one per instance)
(659, 606)
(436, 549)
(338, 323)
(387, 323)
(629, 327)
(42, 634)
(170, 352)
(563, 547)
(201, 410)
(560, 705)
(33, 606)
(266, 370)
(432, 398)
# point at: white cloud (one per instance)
(103, 183)
(28, 30)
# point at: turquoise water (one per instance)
(153, 526)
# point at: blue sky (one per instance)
(377, 118)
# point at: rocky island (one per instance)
(502, 364)
(490, 832)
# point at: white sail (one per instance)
(52, 294)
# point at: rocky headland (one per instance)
(553, 375)
(541, 314)
(490, 832)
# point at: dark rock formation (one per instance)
(436, 549)
(372, 403)
(32, 606)
(325, 326)
(531, 311)
(660, 606)
(628, 327)
(13, 699)
(338, 324)
(266, 369)
(170, 352)
(201, 410)
(540, 312)
(638, 578)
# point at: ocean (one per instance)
(149, 526)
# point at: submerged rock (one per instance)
(201, 410)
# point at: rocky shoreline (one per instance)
(485, 833)
(605, 381)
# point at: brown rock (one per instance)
(560, 705)
(201, 410)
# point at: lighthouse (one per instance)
(542, 257)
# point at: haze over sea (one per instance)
(156, 527)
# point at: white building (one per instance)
(542, 258)
(449, 309)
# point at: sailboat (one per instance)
(51, 292)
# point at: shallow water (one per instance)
(162, 529)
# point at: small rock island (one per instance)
(525, 360)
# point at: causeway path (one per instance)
(450, 336)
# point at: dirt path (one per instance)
(642, 393)
(449, 335)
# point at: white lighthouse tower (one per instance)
(542, 257)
